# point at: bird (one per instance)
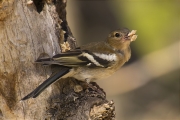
(94, 61)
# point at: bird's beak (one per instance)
(132, 35)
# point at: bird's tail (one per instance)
(46, 83)
(46, 61)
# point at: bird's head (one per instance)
(121, 38)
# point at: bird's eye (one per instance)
(117, 35)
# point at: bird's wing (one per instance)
(79, 57)
(54, 77)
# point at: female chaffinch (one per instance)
(90, 62)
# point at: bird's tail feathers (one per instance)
(45, 61)
(46, 83)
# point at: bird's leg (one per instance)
(88, 81)
(94, 86)
(89, 85)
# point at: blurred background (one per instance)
(148, 86)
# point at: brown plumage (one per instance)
(92, 61)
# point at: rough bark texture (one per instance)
(29, 30)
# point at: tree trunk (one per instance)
(29, 30)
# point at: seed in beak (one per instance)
(132, 35)
(133, 32)
(133, 38)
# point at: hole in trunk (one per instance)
(39, 5)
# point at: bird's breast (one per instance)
(90, 74)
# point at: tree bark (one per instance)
(28, 30)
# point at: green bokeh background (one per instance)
(158, 27)
(157, 22)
